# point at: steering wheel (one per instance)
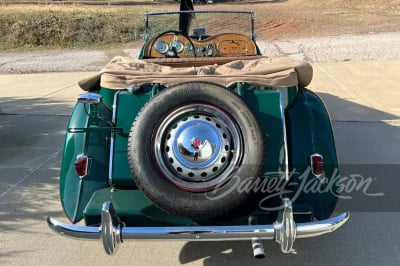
(172, 52)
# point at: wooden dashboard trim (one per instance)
(216, 41)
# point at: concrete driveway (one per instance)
(364, 105)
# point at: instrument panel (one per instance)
(222, 45)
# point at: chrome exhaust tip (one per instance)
(258, 248)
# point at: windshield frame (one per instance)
(247, 12)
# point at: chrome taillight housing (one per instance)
(317, 164)
(82, 165)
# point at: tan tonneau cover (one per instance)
(121, 72)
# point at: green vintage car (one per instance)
(200, 138)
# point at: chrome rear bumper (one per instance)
(284, 230)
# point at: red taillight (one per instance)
(317, 164)
(82, 165)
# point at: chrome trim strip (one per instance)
(282, 106)
(303, 230)
(112, 139)
(115, 101)
(111, 159)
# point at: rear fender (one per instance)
(75, 191)
(309, 131)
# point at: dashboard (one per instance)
(178, 45)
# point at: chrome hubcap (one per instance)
(197, 147)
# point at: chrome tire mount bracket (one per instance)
(285, 227)
(110, 229)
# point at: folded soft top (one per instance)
(121, 72)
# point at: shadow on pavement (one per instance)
(32, 134)
(367, 147)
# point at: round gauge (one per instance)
(189, 47)
(179, 46)
(162, 47)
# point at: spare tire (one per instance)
(193, 148)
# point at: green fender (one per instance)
(310, 131)
(75, 192)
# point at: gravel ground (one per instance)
(373, 46)
(337, 48)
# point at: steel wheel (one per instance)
(197, 146)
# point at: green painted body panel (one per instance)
(310, 131)
(128, 107)
(130, 203)
(108, 96)
(265, 104)
(132, 207)
(75, 192)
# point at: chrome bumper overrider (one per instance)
(284, 230)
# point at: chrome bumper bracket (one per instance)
(110, 229)
(285, 227)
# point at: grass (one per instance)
(30, 27)
(27, 27)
